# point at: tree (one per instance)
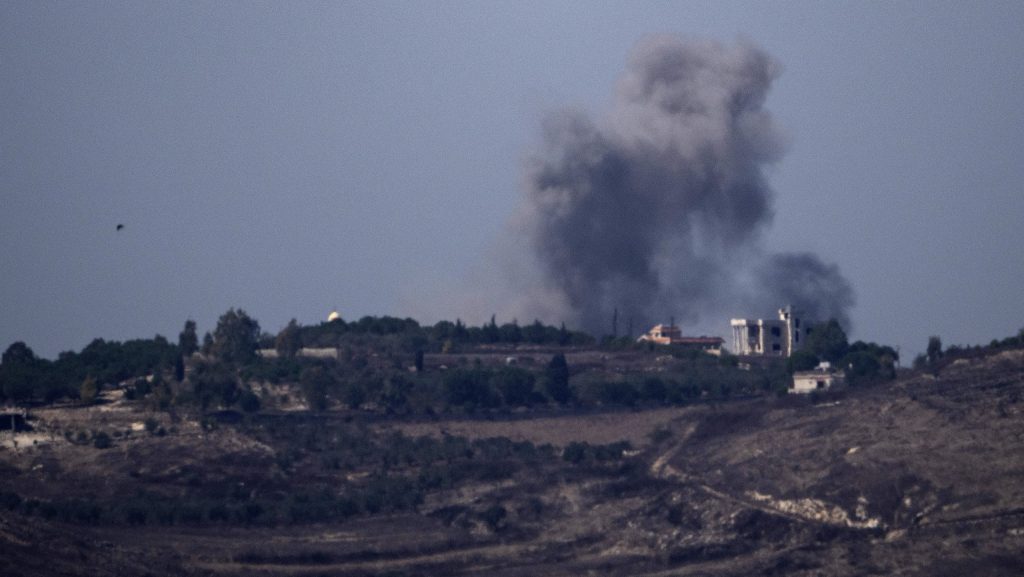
(934, 351)
(89, 390)
(249, 401)
(236, 337)
(515, 385)
(469, 388)
(188, 341)
(315, 382)
(394, 395)
(353, 394)
(801, 360)
(827, 341)
(510, 333)
(179, 368)
(289, 340)
(491, 333)
(556, 379)
(861, 366)
(418, 362)
(214, 384)
(18, 354)
(101, 440)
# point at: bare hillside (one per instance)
(921, 476)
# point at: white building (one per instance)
(820, 379)
(770, 337)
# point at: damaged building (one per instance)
(672, 335)
(779, 337)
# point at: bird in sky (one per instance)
(120, 226)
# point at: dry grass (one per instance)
(603, 428)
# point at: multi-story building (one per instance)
(770, 337)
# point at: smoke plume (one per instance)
(659, 208)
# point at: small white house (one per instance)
(820, 379)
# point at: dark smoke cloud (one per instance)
(658, 210)
(817, 289)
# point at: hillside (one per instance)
(917, 476)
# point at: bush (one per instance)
(316, 381)
(556, 380)
(575, 452)
(653, 389)
(515, 385)
(618, 393)
(494, 517)
(102, 441)
(469, 388)
(249, 402)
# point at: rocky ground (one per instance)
(921, 476)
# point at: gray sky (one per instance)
(291, 158)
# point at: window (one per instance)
(796, 323)
(776, 332)
(821, 384)
(796, 337)
(776, 347)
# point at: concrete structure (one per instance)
(820, 379)
(671, 335)
(662, 334)
(313, 353)
(770, 337)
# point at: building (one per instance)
(308, 352)
(819, 379)
(770, 337)
(671, 335)
(662, 335)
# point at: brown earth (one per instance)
(921, 476)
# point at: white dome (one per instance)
(334, 316)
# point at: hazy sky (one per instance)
(291, 158)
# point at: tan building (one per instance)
(820, 379)
(662, 334)
(671, 335)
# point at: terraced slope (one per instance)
(919, 477)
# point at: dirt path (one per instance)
(480, 557)
(662, 469)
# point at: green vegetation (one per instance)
(862, 362)
(25, 377)
(305, 483)
(236, 338)
(397, 366)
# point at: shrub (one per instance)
(102, 441)
(556, 379)
(618, 393)
(575, 452)
(494, 517)
(249, 402)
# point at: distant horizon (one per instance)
(904, 359)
